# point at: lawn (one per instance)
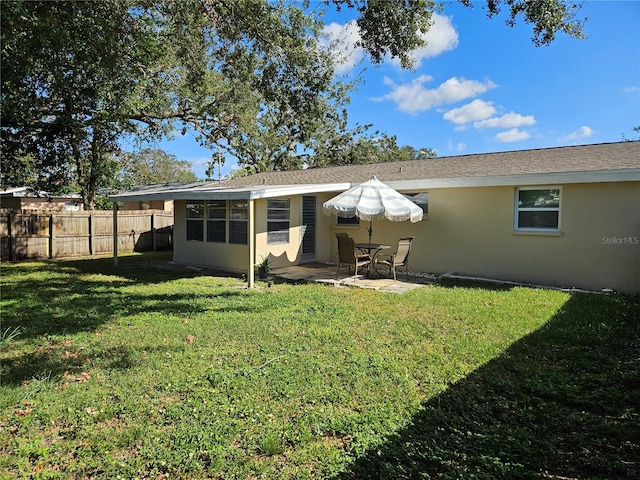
(149, 372)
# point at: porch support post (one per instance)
(252, 244)
(115, 234)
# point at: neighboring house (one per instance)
(23, 198)
(166, 205)
(567, 216)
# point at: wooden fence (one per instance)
(71, 234)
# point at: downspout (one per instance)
(252, 244)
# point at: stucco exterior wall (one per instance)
(280, 254)
(235, 257)
(166, 205)
(224, 256)
(482, 241)
(470, 231)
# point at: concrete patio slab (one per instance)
(323, 273)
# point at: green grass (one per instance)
(147, 372)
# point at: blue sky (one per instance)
(480, 86)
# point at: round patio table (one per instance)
(373, 250)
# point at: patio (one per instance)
(325, 273)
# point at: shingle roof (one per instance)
(598, 162)
(583, 158)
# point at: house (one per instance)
(24, 198)
(164, 205)
(566, 216)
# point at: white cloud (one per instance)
(440, 38)
(513, 135)
(458, 147)
(508, 120)
(476, 110)
(631, 89)
(342, 40)
(579, 134)
(413, 97)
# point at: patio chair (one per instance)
(348, 256)
(398, 259)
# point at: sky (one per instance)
(480, 86)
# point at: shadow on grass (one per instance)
(63, 298)
(562, 402)
(50, 299)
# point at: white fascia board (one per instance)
(287, 190)
(224, 194)
(238, 193)
(629, 175)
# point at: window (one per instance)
(238, 215)
(348, 221)
(420, 199)
(537, 209)
(278, 216)
(195, 220)
(217, 221)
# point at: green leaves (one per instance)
(152, 166)
(249, 76)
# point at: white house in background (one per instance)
(567, 216)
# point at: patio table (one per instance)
(373, 250)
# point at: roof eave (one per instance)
(272, 191)
(603, 176)
(235, 193)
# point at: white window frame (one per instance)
(413, 196)
(216, 220)
(518, 209)
(277, 233)
(196, 218)
(238, 211)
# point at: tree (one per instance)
(250, 76)
(72, 74)
(152, 166)
(395, 27)
(77, 76)
(379, 147)
(636, 131)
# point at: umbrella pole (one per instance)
(370, 230)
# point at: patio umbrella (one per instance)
(373, 200)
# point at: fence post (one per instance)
(52, 234)
(153, 231)
(91, 237)
(115, 234)
(10, 235)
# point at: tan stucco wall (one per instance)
(166, 205)
(224, 256)
(470, 231)
(234, 257)
(280, 254)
